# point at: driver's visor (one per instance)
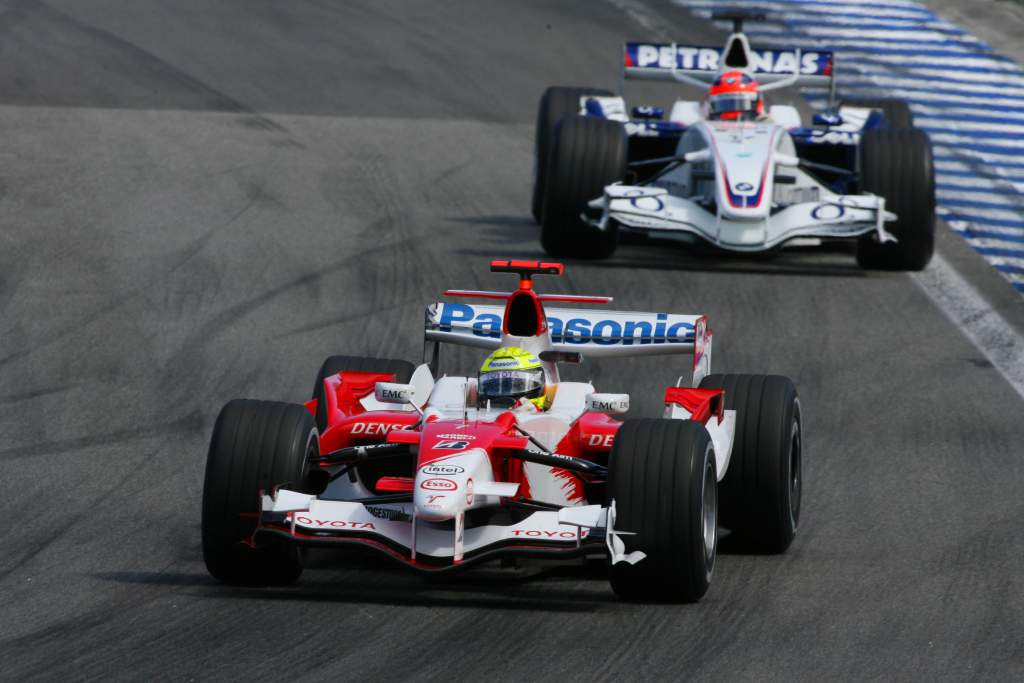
(733, 102)
(509, 383)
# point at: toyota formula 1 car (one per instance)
(415, 464)
(861, 171)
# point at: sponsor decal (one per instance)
(466, 437)
(451, 445)
(497, 364)
(659, 328)
(544, 533)
(389, 514)
(333, 523)
(601, 440)
(647, 203)
(827, 212)
(432, 500)
(469, 492)
(442, 469)
(658, 56)
(438, 484)
(376, 428)
(833, 137)
(393, 395)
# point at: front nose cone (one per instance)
(438, 498)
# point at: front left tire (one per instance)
(663, 479)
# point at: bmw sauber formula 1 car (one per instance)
(415, 464)
(862, 171)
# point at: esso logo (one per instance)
(438, 484)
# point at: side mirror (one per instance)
(827, 118)
(391, 392)
(612, 404)
(561, 356)
(653, 113)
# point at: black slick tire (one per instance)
(556, 103)
(401, 369)
(760, 493)
(256, 445)
(587, 155)
(662, 478)
(897, 165)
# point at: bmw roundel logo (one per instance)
(828, 212)
(743, 187)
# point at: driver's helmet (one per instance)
(510, 376)
(734, 96)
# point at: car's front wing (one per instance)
(392, 529)
(654, 210)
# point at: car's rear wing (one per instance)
(654, 61)
(591, 333)
(567, 333)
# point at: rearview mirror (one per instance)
(392, 392)
(561, 356)
(650, 113)
(827, 118)
(608, 403)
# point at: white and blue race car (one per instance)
(860, 171)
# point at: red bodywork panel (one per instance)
(700, 403)
(348, 423)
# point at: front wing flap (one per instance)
(390, 527)
(655, 210)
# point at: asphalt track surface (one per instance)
(201, 200)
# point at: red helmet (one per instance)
(734, 96)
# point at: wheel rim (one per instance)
(709, 510)
(795, 475)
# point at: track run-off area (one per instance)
(202, 200)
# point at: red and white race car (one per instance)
(416, 464)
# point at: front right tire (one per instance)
(588, 154)
(557, 103)
(256, 445)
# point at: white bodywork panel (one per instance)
(784, 115)
(722, 433)
(686, 112)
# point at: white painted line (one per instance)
(993, 243)
(928, 122)
(986, 329)
(1017, 88)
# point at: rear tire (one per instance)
(256, 445)
(401, 369)
(897, 112)
(588, 154)
(662, 478)
(761, 491)
(897, 165)
(556, 103)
